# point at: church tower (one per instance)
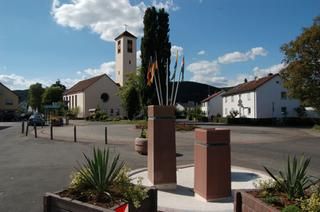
(126, 56)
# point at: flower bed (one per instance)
(292, 190)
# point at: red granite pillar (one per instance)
(212, 167)
(162, 146)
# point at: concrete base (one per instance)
(183, 198)
(225, 199)
(165, 187)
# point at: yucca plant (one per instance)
(294, 180)
(100, 171)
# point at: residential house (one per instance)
(9, 101)
(212, 105)
(261, 98)
(99, 92)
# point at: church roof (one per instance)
(125, 33)
(83, 85)
(249, 86)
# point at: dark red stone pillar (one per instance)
(212, 166)
(162, 146)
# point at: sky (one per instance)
(223, 41)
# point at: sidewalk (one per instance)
(182, 199)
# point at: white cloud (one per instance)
(105, 68)
(236, 56)
(175, 49)
(138, 58)
(261, 72)
(105, 17)
(18, 82)
(202, 52)
(204, 67)
(167, 5)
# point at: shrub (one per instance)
(100, 171)
(291, 208)
(312, 203)
(133, 193)
(294, 180)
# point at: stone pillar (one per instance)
(212, 166)
(162, 146)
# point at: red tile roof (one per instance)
(83, 85)
(249, 86)
(212, 96)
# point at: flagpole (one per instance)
(167, 81)
(178, 82)
(159, 80)
(182, 76)
(150, 62)
(174, 79)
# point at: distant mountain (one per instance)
(22, 94)
(194, 92)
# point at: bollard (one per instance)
(27, 129)
(106, 135)
(162, 147)
(35, 131)
(51, 132)
(22, 127)
(212, 164)
(75, 133)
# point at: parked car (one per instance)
(36, 119)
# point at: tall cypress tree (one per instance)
(154, 42)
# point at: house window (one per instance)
(111, 111)
(249, 110)
(75, 101)
(284, 111)
(9, 102)
(72, 101)
(119, 46)
(232, 99)
(129, 61)
(118, 112)
(249, 96)
(130, 46)
(283, 95)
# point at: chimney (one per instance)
(245, 80)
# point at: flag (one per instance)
(175, 66)
(182, 68)
(153, 66)
(149, 74)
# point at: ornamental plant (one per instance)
(100, 172)
(294, 179)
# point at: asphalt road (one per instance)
(30, 167)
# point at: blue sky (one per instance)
(223, 41)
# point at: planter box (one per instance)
(245, 202)
(55, 203)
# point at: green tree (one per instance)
(129, 94)
(52, 94)
(58, 84)
(302, 74)
(155, 42)
(35, 96)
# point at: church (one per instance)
(101, 92)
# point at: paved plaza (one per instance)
(29, 167)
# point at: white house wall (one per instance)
(93, 97)
(231, 103)
(213, 107)
(269, 100)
